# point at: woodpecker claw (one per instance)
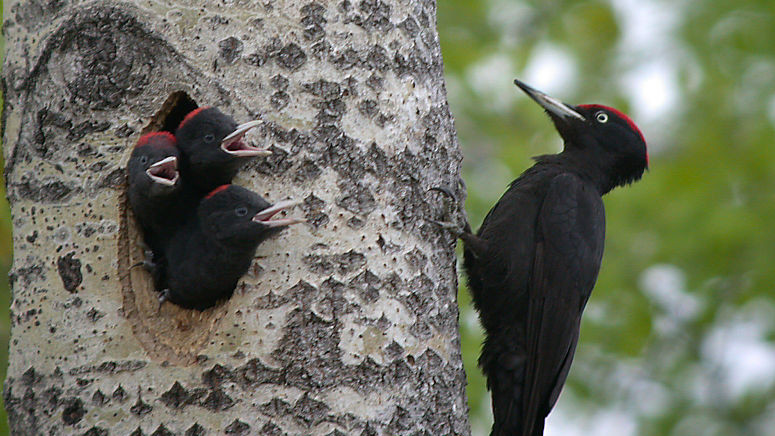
(455, 229)
(445, 191)
(147, 263)
(446, 225)
(164, 295)
(462, 184)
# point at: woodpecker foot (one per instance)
(146, 263)
(448, 192)
(445, 191)
(149, 264)
(446, 225)
(456, 229)
(164, 295)
(137, 264)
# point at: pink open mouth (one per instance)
(234, 145)
(165, 171)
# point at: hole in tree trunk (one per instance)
(172, 112)
(168, 333)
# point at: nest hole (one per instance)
(167, 332)
(172, 112)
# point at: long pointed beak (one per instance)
(164, 172)
(551, 104)
(265, 216)
(233, 144)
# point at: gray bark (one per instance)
(344, 325)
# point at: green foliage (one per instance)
(705, 209)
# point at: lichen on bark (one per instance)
(345, 325)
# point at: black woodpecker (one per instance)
(210, 253)
(212, 150)
(535, 259)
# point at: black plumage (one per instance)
(534, 261)
(212, 149)
(209, 254)
(154, 194)
(154, 182)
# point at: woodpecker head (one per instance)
(212, 145)
(153, 165)
(599, 137)
(236, 216)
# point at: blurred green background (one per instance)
(679, 335)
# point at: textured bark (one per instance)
(345, 325)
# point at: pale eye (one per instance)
(601, 117)
(210, 138)
(241, 211)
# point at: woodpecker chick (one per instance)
(534, 261)
(211, 252)
(212, 148)
(154, 185)
(154, 194)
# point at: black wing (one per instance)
(570, 233)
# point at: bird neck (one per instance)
(222, 253)
(228, 241)
(162, 194)
(595, 169)
(205, 176)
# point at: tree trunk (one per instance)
(344, 325)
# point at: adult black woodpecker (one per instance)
(154, 186)
(535, 259)
(211, 252)
(212, 149)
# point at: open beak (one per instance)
(164, 172)
(265, 216)
(234, 145)
(551, 104)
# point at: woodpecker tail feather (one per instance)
(505, 370)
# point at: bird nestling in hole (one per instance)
(212, 148)
(208, 255)
(155, 195)
(178, 184)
